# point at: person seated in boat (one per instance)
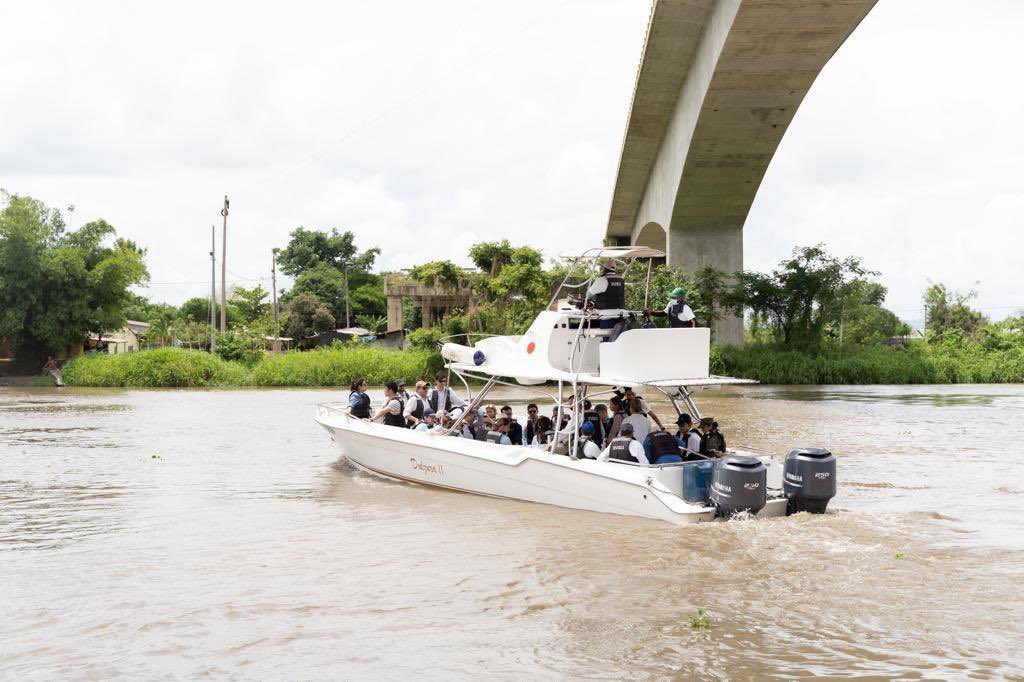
(469, 425)
(499, 434)
(358, 400)
(594, 417)
(618, 413)
(641, 425)
(416, 405)
(586, 448)
(441, 398)
(624, 448)
(544, 432)
(715, 440)
(515, 430)
(429, 422)
(627, 400)
(391, 412)
(532, 417)
(661, 447)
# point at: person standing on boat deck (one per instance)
(515, 430)
(441, 398)
(416, 405)
(358, 400)
(606, 421)
(637, 418)
(586, 448)
(624, 447)
(499, 434)
(403, 394)
(391, 412)
(696, 440)
(532, 417)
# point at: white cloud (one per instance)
(424, 127)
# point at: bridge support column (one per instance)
(721, 248)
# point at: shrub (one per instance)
(339, 364)
(159, 368)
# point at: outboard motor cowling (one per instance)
(739, 484)
(809, 480)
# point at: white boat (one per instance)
(583, 349)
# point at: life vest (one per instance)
(480, 431)
(715, 441)
(673, 316)
(432, 399)
(662, 443)
(362, 408)
(581, 445)
(614, 297)
(418, 411)
(493, 436)
(619, 449)
(395, 419)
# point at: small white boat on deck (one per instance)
(576, 350)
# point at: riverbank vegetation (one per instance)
(335, 365)
(815, 318)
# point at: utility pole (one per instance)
(213, 287)
(348, 322)
(224, 269)
(273, 279)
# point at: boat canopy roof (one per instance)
(598, 252)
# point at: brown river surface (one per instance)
(183, 534)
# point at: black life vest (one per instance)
(395, 419)
(619, 449)
(417, 411)
(662, 443)
(362, 408)
(581, 445)
(432, 399)
(614, 297)
(493, 436)
(674, 309)
(480, 431)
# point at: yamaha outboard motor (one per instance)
(809, 480)
(739, 484)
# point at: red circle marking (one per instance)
(530, 347)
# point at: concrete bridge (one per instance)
(718, 84)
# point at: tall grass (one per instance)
(175, 367)
(916, 363)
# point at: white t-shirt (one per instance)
(685, 314)
(394, 406)
(693, 443)
(453, 400)
(635, 449)
(591, 449)
(641, 426)
(599, 286)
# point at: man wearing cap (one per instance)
(416, 406)
(586, 448)
(429, 422)
(624, 447)
(696, 441)
(402, 393)
(679, 314)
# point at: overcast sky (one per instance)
(426, 127)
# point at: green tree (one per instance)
(802, 296)
(307, 316)
(197, 310)
(947, 311)
(326, 283)
(307, 248)
(57, 285)
(252, 304)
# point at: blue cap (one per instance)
(588, 427)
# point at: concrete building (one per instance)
(718, 85)
(434, 302)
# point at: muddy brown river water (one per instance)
(183, 534)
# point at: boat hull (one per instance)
(513, 472)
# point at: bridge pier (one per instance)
(721, 248)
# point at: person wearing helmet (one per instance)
(679, 314)
(586, 448)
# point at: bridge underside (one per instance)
(717, 87)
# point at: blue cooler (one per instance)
(697, 481)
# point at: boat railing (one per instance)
(337, 408)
